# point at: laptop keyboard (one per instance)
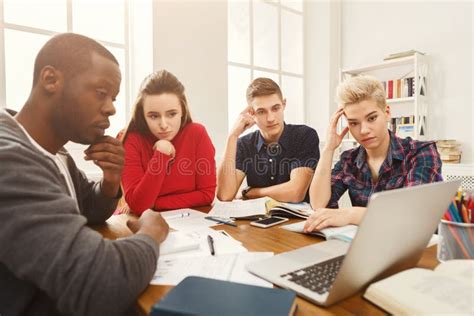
(318, 277)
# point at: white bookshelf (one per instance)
(415, 66)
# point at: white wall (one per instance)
(322, 62)
(442, 30)
(190, 40)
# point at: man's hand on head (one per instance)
(245, 121)
(108, 154)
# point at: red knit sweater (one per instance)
(152, 179)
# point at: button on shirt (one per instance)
(270, 164)
(408, 163)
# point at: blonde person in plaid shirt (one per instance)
(382, 162)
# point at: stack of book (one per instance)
(449, 150)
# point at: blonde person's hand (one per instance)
(333, 139)
(327, 217)
(166, 147)
(245, 121)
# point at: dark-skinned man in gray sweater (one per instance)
(51, 262)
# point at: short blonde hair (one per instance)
(361, 88)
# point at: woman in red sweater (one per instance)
(169, 160)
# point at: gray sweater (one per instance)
(51, 263)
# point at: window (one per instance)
(28, 24)
(122, 26)
(265, 39)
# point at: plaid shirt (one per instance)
(408, 163)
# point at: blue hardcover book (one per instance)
(203, 296)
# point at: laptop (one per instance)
(392, 237)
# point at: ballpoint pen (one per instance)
(180, 215)
(210, 241)
(222, 220)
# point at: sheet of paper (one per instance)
(222, 244)
(178, 242)
(173, 271)
(225, 233)
(193, 221)
(229, 267)
(241, 275)
(239, 208)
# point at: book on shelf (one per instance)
(448, 289)
(390, 89)
(406, 130)
(402, 54)
(403, 126)
(405, 90)
(203, 296)
(399, 88)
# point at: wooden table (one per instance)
(271, 239)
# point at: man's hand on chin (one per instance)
(108, 154)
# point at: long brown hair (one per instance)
(157, 83)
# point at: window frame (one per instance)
(280, 72)
(126, 46)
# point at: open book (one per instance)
(288, 210)
(449, 289)
(260, 208)
(344, 233)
